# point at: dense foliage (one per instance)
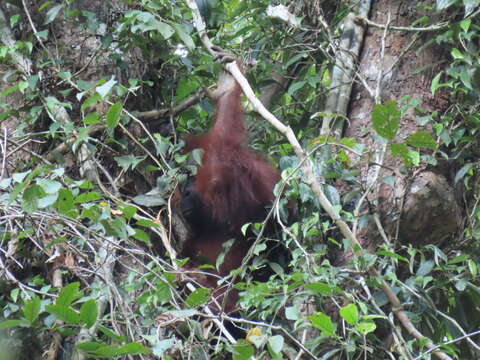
(87, 178)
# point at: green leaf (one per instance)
(11, 323)
(117, 228)
(89, 313)
(465, 23)
(113, 115)
(64, 313)
(242, 350)
(133, 348)
(129, 161)
(47, 201)
(183, 35)
(198, 297)
(292, 313)
(100, 351)
(402, 151)
(461, 173)
(422, 139)
(436, 83)
(164, 29)
(65, 204)
(111, 334)
(365, 327)
(349, 313)
(324, 323)
(295, 86)
(473, 267)
(276, 343)
(50, 186)
(92, 118)
(89, 346)
(443, 4)
(385, 119)
(470, 7)
(161, 346)
(19, 177)
(88, 197)
(129, 211)
(105, 88)
(30, 198)
(457, 54)
(142, 236)
(321, 288)
(52, 14)
(69, 294)
(31, 309)
(149, 200)
(91, 101)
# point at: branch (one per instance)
(161, 113)
(435, 27)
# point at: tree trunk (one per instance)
(416, 206)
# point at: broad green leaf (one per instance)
(162, 346)
(31, 309)
(117, 227)
(89, 346)
(292, 313)
(324, 323)
(65, 204)
(105, 351)
(393, 255)
(470, 7)
(149, 200)
(276, 343)
(129, 161)
(461, 173)
(465, 23)
(402, 151)
(69, 294)
(425, 267)
(365, 327)
(457, 54)
(112, 335)
(242, 350)
(321, 288)
(133, 348)
(142, 236)
(19, 177)
(11, 323)
(46, 201)
(385, 119)
(436, 83)
(88, 197)
(89, 313)
(105, 88)
(52, 14)
(92, 118)
(91, 101)
(129, 211)
(198, 297)
(295, 86)
(443, 4)
(30, 198)
(349, 313)
(64, 313)
(50, 186)
(183, 35)
(113, 115)
(422, 139)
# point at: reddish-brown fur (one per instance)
(233, 183)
